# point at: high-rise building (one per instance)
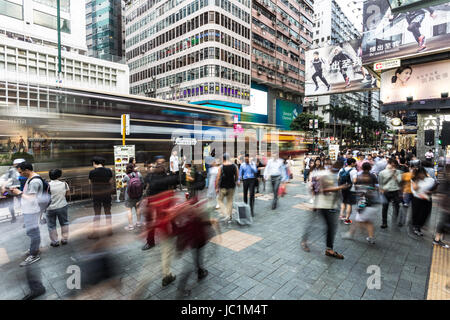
(331, 27)
(190, 50)
(29, 53)
(281, 31)
(104, 29)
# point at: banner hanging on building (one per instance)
(421, 82)
(388, 35)
(337, 69)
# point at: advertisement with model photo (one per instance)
(424, 81)
(337, 69)
(396, 35)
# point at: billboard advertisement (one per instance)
(388, 35)
(258, 101)
(421, 82)
(286, 112)
(337, 69)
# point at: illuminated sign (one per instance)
(384, 65)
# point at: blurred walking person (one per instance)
(58, 208)
(12, 178)
(32, 199)
(346, 176)
(306, 169)
(227, 177)
(406, 196)
(422, 186)
(443, 226)
(368, 203)
(325, 204)
(101, 181)
(212, 174)
(389, 181)
(277, 173)
(248, 173)
(134, 187)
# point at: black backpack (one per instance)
(46, 198)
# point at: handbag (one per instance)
(282, 190)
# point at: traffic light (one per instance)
(440, 139)
(429, 137)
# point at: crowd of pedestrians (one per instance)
(369, 183)
(356, 189)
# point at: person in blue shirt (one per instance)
(248, 173)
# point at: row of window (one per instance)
(205, 89)
(194, 57)
(190, 25)
(152, 16)
(167, 22)
(281, 76)
(204, 36)
(63, 4)
(234, 10)
(271, 59)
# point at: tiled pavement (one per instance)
(262, 261)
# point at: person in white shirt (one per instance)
(421, 187)
(174, 163)
(307, 168)
(277, 173)
(429, 155)
(57, 210)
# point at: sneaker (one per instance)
(217, 207)
(417, 232)
(202, 273)
(422, 41)
(347, 82)
(63, 242)
(54, 244)
(383, 226)
(370, 240)
(317, 88)
(168, 280)
(342, 218)
(138, 225)
(347, 236)
(129, 228)
(34, 294)
(440, 243)
(422, 48)
(29, 260)
(328, 87)
(347, 221)
(147, 246)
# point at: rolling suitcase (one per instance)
(242, 214)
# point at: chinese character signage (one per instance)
(388, 35)
(337, 69)
(421, 82)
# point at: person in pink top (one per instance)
(360, 162)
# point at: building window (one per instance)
(64, 4)
(49, 21)
(11, 9)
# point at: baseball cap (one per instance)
(17, 161)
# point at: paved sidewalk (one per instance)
(263, 261)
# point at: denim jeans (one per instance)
(394, 197)
(403, 214)
(305, 174)
(62, 216)
(276, 180)
(31, 221)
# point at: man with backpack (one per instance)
(101, 180)
(35, 198)
(346, 176)
(390, 180)
(226, 180)
(133, 194)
